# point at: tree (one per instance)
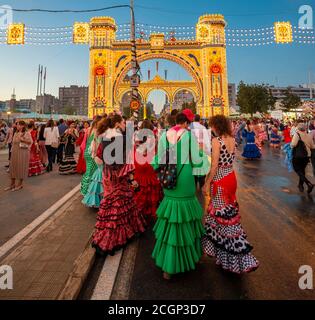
(68, 110)
(254, 98)
(290, 101)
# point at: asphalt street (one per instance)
(280, 223)
(18, 209)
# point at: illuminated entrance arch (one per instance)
(204, 58)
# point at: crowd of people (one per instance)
(295, 138)
(151, 174)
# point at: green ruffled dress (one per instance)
(91, 166)
(179, 228)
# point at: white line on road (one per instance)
(38, 221)
(105, 283)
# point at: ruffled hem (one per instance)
(179, 235)
(36, 168)
(180, 210)
(115, 233)
(236, 263)
(172, 259)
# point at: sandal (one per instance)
(17, 188)
(9, 188)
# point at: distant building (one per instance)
(75, 98)
(2, 106)
(181, 97)
(47, 104)
(25, 105)
(301, 91)
(232, 95)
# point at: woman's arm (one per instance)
(295, 140)
(215, 156)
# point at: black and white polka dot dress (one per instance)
(225, 238)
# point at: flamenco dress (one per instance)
(68, 165)
(225, 238)
(95, 190)
(251, 151)
(81, 166)
(178, 229)
(36, 167)
(119, 219)
(150, 194)
(90, 166)
(275, 138)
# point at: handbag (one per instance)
(23, 145)
(167, 172)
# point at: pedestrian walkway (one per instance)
(43, 262)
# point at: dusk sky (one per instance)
(68, 64)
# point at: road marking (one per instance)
(105, 283)
(38, 221)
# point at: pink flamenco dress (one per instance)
(81, 166)
(150, 194)
(119, 219)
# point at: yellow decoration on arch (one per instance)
(196, 56)
(16, 33)
(81, 33)
(283, 32)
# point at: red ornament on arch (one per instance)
(99, 71)
(216, 68)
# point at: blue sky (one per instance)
(283, 65)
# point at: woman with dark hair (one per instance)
(150, 193)
(275, 137)
(68, 165)
(251, 151)
(119, 219)
(20, 156)
(43, 155)
(35, 167)
(51, 136)
(90, 163)
(95, 190)
(225, 238)
(178, 229)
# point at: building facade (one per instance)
(75, 98)
(301, 91)
(47, 104)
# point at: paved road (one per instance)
(18, 209)
(280, 223)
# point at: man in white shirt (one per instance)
(203, 137)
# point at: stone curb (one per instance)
(76, 279)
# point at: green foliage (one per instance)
(291, 101)
(254, 98)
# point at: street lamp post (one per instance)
(135, 79)
(8, 114)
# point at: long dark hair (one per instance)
(22, 123)
(221, 124)
(111, 121)
(50, 124)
